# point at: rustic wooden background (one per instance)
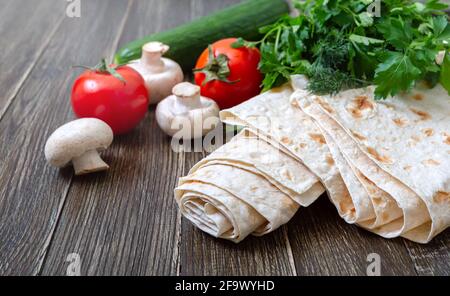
(125, 221)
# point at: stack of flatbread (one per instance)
(385, 165)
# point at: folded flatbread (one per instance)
(401, 146)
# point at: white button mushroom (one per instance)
(79, 142)
(186, 114)
(160, 74)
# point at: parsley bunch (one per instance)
(340, 44)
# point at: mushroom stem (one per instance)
(190, 102)
(187, 96)
(151, 55)
(89, 162)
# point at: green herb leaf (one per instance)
(394, 74)
(439, 24)
(365, 19)
(364, 40)
(445, 72)
(340, 44)
(435, 5)
(397, 32)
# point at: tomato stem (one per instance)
(104, 67)
(216, 69)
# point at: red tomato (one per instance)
(242, 79)
(121, 104)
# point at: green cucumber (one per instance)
(189, 40)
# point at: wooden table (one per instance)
(125, 221)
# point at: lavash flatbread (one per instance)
(352, 145)
(375, 209)
(400, 144)
(247, 186)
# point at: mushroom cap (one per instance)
(155, 47)
(186, 89)
(186, 106)
(75, 138)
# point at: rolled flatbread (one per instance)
(247, 186)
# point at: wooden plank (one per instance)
(32, 194)
(323, 244)
(25, 31)
(432, 258)
(125, 222)
(202, 254)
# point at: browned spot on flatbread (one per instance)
(378, 156)
(441, 197)
(422, 114)
(346, 206)
(377, 200)
(446, 139)
(428, 132)
(286, 140)
(324, 104)
(294, 103)
(364, 178)
(358, 136)
(430, 162)
(253, 188)
(302, 145)
(363, 102)
(407, 168)
(355, 112)
(360, 103)
(370, 186)
(400, 122)
(329, 159)
(318, 138)
(384, 216)
(417, 97)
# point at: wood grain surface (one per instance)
(125, 221)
